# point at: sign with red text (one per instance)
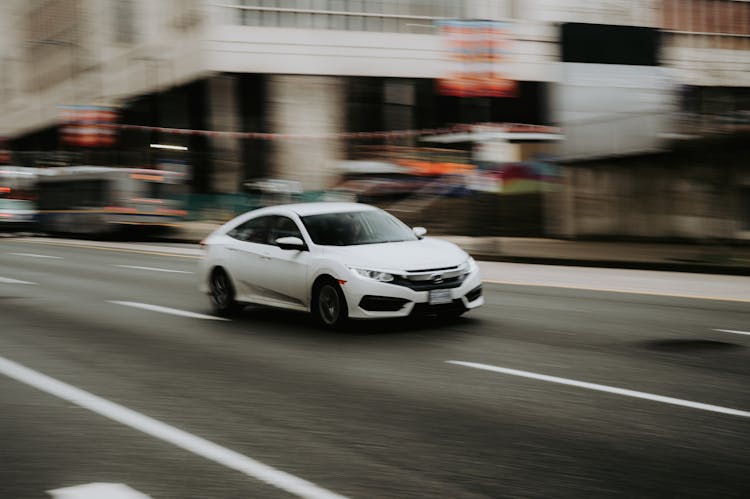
(478, 54)
(88, 126)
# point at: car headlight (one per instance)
(377, 275)
(468, 266)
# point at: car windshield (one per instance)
(356, 227)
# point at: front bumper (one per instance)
(361, 291)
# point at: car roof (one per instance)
(319, 208)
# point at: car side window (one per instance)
(283, 227)
(252, 231)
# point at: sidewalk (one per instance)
(715, 259)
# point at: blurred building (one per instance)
(653, 97)
(271, 66)
(625, 79)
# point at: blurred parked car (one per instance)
(17, 214)
(272, 191)
(18, 195)
(373, 182)
(337, 261)
(373, 190)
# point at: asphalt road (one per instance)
(547, 391)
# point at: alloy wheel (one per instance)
(222, 293)
(329, 304)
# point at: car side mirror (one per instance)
(419, 231)
(291, 243)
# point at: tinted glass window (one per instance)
(252, 231)
(606, 44)
(283, 227)
(157, 190)
(15, 204)
(68, 194)
(359, 227)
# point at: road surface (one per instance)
(568, 383)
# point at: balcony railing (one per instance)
(348, 15)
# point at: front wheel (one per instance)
(329, 306)
(221, 292)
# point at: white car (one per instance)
(337, 260)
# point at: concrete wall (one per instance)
(710, 61)
(626, 13)
(680, 195)
(96, 68)
(300, 104)
(610, 109)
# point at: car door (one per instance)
(285, 274)
(247, 257)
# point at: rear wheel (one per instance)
(329, 306)
(221, 292)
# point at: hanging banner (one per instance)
(477, 57)
(379, 135)
(88, 126)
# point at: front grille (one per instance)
(451, 282)
(422, 309)
(431, 270)
(474, 293)
(381, 303)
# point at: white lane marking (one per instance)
(167, 310)
(155, 269)
(34, 255)
(98, 491)
(167, 433)
(8, 280)
(733, 331)
(604, 388)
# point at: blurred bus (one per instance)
(104, 200)
(18, 194)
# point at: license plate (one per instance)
(440, 296)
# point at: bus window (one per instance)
(161, 190)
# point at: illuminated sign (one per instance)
(477, 55)
(88, 126)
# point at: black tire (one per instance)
(329, 305)
(221, 292)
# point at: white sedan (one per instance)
(339, 261)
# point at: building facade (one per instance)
(615, 75)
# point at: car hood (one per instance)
(426, 253)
